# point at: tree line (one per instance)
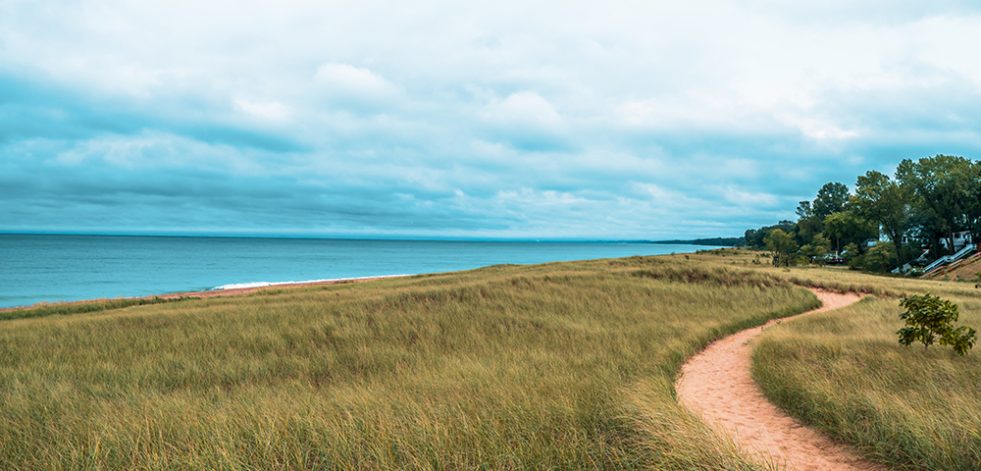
(911, 216)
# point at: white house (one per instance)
(961, 239)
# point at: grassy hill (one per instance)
(967, 269)
(552, 366)
(845, 373)
(565, 365)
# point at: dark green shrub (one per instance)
(880, 258)
(928, 317)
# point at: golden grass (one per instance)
(845, 373)
(555, 366)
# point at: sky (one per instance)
(504, 119)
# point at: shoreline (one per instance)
(121, 276)
(233, 289)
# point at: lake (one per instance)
(36, 268)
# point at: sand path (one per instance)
(716, 384)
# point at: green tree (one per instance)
(942, 189)
(756, 238)
(831, 198)
(850, 252)
(879, 258)
(782, 245)
(928, 317)
(808, 224)
(817, 249)
(847, 227)
(973, 205)
(883, 201)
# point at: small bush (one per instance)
(880, 258)
(928, 317)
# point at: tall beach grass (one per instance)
(845, 373)
(556, 366)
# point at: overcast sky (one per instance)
(637, 119)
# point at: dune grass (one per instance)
(63, 309)
(845, 373)
(555, 366)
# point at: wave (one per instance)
(261, 284)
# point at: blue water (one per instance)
(36, 268)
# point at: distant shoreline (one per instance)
(342, 237)
(716, 242)
(124, 269)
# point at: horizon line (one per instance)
(393, 238)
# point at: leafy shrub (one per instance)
(880, 258)
(928, 317)
(783, 246)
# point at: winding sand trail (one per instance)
(717, 385)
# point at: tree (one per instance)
(879, 258)
(847, 227)
(808, 225)
(756, 238)
(942, 188)
(850, 252)
(831, 198)
(881, 200)
(973, 206)
(817, 248)
(928, 317)
(783, 246)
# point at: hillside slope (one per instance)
(963, 270)
(557, 366)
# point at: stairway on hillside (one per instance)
(966, 268)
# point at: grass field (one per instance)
(555, 366)
(845, 373)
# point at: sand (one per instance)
(717, 385)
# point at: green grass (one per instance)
(554, 366)
(845, 373)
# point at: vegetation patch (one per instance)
(844, 373)
(556, 366)
(710, 275)
(930, 208)
(100, 305)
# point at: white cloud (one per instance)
(339, 78)
(523, 109)
(263, 110)
(652, 115)
(819, 129)
(748, 198)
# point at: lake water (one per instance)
(36, 268)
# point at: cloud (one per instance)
(263, 110)
(525, 120)
(348, 84)
(548, 119)
(523, 109)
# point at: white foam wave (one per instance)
(261, 284)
